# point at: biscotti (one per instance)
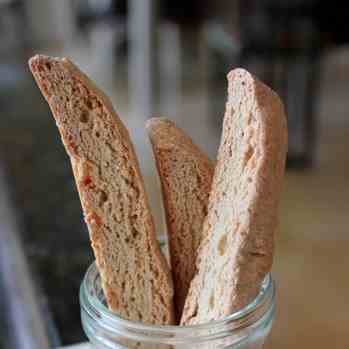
(135, 277)
(186, 175)
(242, 214)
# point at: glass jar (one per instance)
(244, 329)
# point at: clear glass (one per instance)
(244, 329)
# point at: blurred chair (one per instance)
(281, 43)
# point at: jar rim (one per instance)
(98, 311)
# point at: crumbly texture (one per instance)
(242, 214)
(135, 276)
(186, 176)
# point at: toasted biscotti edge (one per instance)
(185, 173)
(156, 257)
(237, 278)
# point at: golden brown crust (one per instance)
(135, 275)
(242, 215)
(186, 176)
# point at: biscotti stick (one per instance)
(186, 174)
(242, 214)
(135, 277)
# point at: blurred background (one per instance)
(171, 59)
